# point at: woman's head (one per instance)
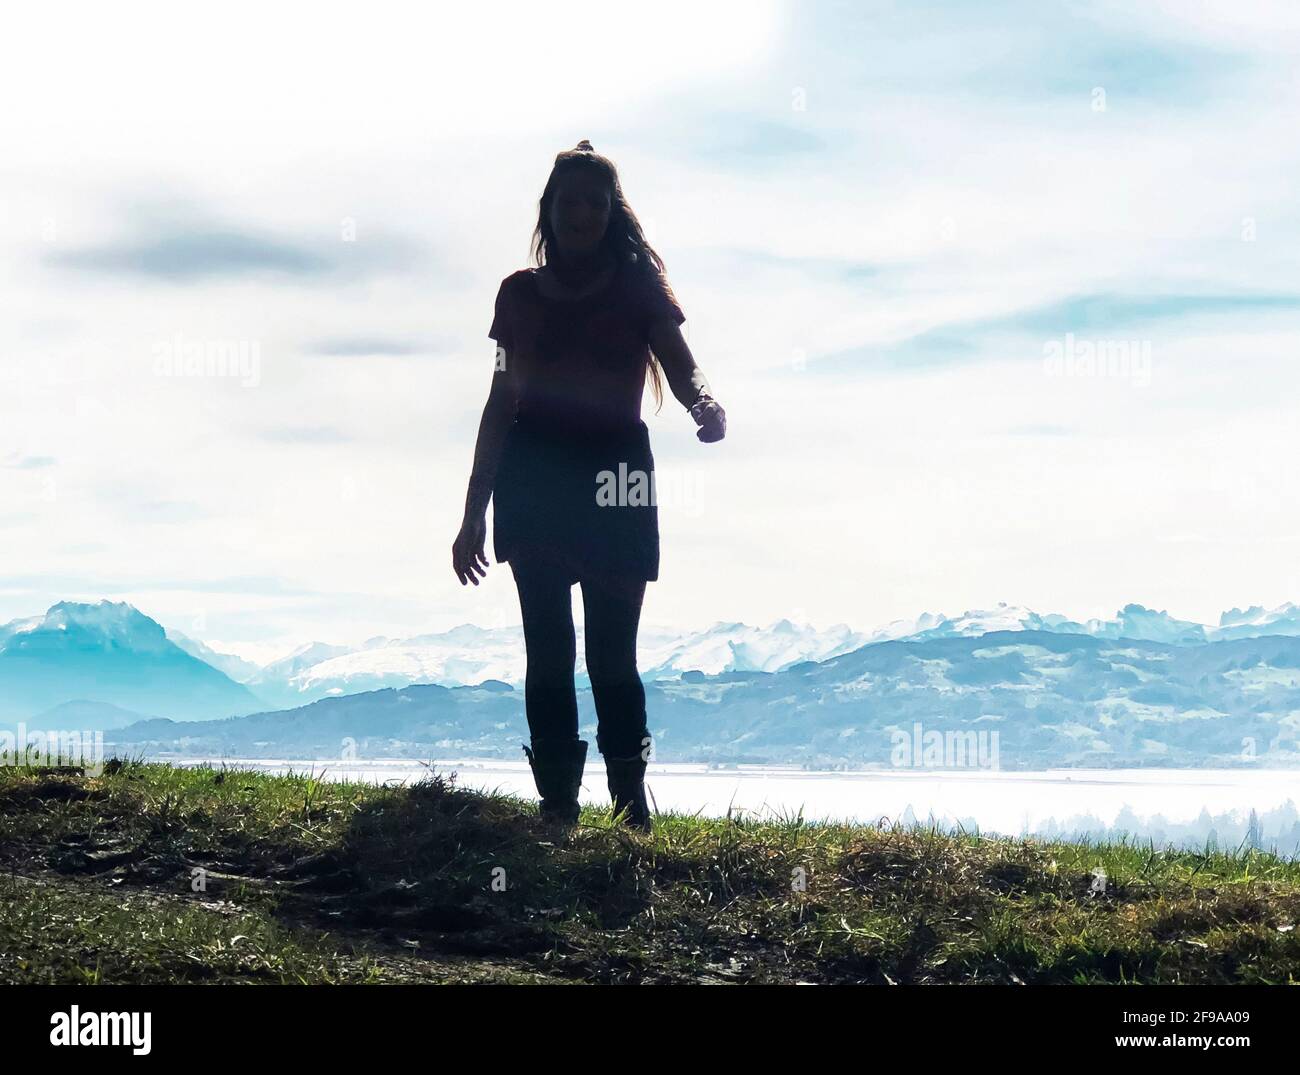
(582, 209)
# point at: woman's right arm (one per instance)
(498, 415)
(468, 560)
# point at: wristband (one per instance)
(702, 400)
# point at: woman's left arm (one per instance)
(686, 379)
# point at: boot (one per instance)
(557, 771)
(626, 778)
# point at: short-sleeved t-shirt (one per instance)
(581, 361)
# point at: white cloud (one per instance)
(860, 494)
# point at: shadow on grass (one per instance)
(466, 873)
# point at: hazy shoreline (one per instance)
(1175, 806)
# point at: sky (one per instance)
(1001, 301)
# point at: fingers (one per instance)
(468, 569)
(479, 562)
(468, 573)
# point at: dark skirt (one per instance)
(578, 498)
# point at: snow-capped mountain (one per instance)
(971, 623)
(467, 655)
(108, 652)
(463, 655)
(108, 624)
(1132, 621)
(1256, 621)
(737, 647)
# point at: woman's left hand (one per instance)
(712, 420)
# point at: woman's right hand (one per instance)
(467, 555)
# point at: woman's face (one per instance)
(580, 212)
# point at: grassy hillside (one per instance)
(156, 874)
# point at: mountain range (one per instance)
(1141, 688)
(467, 654)
(1041, 699)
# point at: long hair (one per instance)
(623, 236)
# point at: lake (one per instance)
(1173, 804)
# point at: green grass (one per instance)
(153, 873)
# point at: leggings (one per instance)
(612, 610)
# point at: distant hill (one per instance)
(81, 715)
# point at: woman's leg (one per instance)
(545, 602)
(612, 609)
(556, 755)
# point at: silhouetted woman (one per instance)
(564, 455)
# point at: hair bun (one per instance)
(584, 146)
